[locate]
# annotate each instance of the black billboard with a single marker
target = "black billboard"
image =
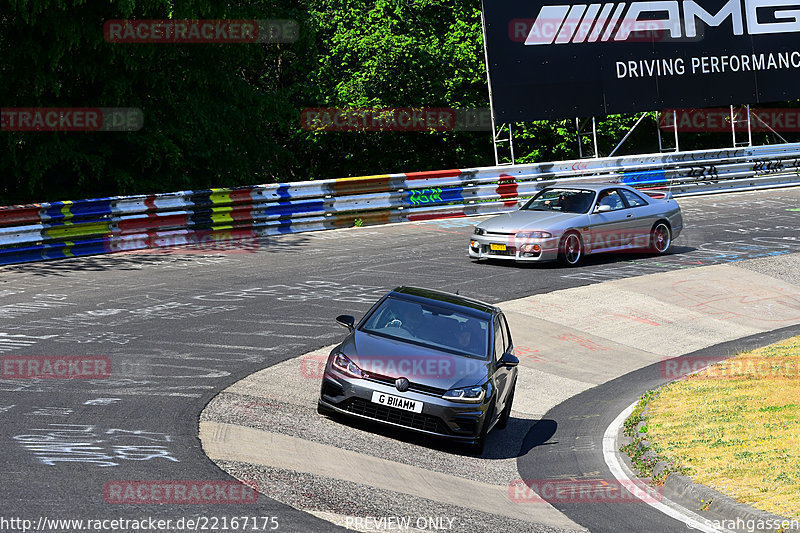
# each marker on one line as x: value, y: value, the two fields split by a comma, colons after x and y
x: 556, y: 59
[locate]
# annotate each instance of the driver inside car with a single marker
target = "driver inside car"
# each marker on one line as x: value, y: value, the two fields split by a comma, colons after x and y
x: 409, y: 317
x: 468, y: 337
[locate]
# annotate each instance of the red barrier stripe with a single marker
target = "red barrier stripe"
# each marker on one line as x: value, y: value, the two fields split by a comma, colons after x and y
x: 507, y: 188
x: 434, y: 216
x: 452, y: 173
x: 20, y: 214
x: 153, y: 221
x: 240, y: 196
x: 362, y: 185
x: 242, y: 213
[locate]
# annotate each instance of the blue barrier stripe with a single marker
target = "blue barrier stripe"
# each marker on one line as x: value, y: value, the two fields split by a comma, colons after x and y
x: 26, y: 254
x: 68, y: 222
x: 283, y: 191
x: 645, y: 177
x: 436, y: 195
x: 80, y: 208
x: 283, y: 208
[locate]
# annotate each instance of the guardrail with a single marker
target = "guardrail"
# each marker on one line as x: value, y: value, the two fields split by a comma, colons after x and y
x: 104, y: 225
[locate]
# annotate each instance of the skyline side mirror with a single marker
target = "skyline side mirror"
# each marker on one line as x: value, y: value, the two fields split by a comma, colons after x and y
x: 521, y: 203
x: 602, y: 209
x: 346, y: 321
x: 509, y: 360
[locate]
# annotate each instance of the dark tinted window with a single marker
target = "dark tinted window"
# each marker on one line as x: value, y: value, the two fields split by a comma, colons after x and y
x: 506, y: 335
x: 430, y: 325
x: 634, y: 200
x: 565, y: 200
x: 611, y: 197
x: 499, y: 340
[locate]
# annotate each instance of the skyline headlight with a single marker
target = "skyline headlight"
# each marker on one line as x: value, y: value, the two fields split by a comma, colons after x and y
x: 465, y: 394
x: 534, y: 235
x: 344, y: 365
x: 479, y: 231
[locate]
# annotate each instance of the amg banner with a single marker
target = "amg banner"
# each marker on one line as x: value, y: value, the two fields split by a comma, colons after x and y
x: 555, y: 59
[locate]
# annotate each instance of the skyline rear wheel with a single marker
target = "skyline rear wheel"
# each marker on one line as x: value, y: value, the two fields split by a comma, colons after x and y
x: 660, y: 238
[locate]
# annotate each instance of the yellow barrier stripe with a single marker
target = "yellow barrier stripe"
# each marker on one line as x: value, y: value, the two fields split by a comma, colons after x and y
x: 220, y: 196
x: 65, y: 210
x: 77, y: 230
x: 361, y: 178
x: 221, y: 217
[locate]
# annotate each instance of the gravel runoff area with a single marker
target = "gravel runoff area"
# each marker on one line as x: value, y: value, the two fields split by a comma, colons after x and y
x: 335, y: 499
x: 783, y: 267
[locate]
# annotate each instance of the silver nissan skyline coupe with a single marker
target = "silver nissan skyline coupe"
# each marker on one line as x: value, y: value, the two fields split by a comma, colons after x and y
x: 570, y: 221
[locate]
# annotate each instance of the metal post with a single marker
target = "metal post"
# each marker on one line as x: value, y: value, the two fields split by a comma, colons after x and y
x: 660, y: 144
x: 581, y: 133
x: 675, y: 128
x: 769, y: 128
x: 511, y: 142
x: 733, y: 127
x: 628, y: 134
x: 749, y: 130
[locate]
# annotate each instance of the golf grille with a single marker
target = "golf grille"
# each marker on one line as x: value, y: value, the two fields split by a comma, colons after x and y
x: 396, y: 416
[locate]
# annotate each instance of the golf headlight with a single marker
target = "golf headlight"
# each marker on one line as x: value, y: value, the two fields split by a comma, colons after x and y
x: 346, y: 366
x: 534, y: 235
x: 479, y: 231
x: 466, y: 394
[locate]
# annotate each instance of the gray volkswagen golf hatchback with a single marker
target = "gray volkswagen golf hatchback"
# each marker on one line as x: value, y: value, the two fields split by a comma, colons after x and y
x: 427, y: 361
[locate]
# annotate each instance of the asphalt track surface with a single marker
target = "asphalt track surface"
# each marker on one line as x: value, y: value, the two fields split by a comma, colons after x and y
x: 180, y: 325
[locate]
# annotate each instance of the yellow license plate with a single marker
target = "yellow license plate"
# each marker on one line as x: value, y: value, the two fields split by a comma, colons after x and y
x: 498, y: 247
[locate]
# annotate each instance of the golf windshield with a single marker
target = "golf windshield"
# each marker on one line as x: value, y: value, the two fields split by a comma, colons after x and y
x: 564, y: 200
x: 430, y: 325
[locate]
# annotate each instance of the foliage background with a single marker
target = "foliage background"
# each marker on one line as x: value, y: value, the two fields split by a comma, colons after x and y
x: 224, y: 115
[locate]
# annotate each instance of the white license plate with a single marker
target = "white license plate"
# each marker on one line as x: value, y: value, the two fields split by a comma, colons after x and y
x: 397, y: 402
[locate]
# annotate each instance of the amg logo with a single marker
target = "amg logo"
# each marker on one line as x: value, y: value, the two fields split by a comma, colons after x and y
x: 561, y: 24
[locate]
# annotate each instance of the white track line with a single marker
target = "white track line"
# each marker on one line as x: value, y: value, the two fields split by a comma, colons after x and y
x: 620, y: 472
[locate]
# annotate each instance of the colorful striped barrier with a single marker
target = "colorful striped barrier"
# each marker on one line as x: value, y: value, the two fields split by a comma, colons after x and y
x: 104, y: 225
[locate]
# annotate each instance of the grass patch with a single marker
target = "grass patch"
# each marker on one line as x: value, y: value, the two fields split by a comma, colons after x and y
x: 736, y: 426
x: 644, y: 458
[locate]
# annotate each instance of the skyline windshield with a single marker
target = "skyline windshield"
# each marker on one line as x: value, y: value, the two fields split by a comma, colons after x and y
x: 563, y: 200
x: 430, y: 325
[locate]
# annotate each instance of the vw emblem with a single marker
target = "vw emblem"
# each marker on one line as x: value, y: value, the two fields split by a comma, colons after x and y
x: 401, y: 384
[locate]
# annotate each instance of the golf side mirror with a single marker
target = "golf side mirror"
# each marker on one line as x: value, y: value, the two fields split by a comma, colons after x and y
x: 346, y: 321
x: 509, y: 360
